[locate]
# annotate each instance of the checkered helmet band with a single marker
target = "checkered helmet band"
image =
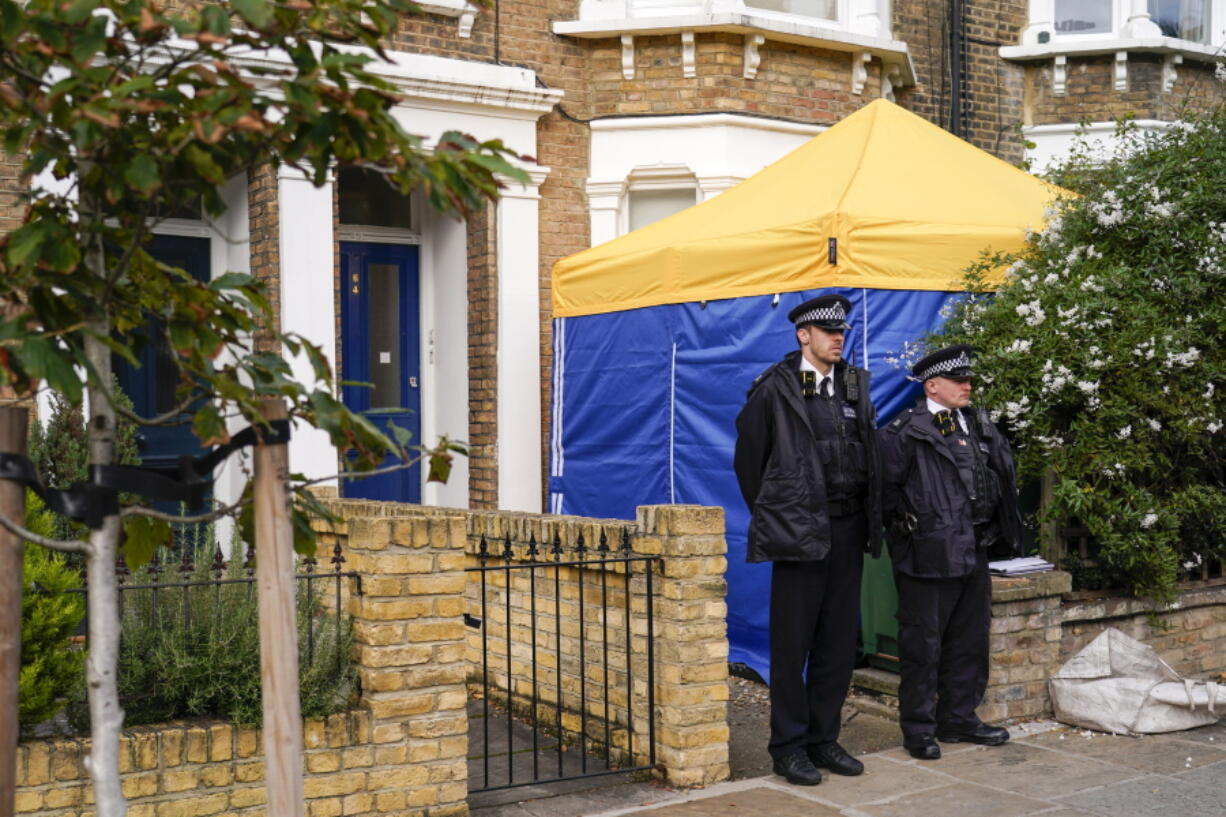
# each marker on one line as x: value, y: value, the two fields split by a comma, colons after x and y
x: 825, y: 313
x: 962, y: 361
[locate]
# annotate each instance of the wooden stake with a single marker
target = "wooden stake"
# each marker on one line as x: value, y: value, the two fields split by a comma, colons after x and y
x: 274, y: 572
x: 13, y: 505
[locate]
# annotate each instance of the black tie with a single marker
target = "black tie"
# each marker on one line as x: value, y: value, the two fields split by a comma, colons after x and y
x: 825, y: 390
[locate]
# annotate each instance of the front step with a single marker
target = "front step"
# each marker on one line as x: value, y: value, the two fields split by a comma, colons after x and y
x: 876, y: 680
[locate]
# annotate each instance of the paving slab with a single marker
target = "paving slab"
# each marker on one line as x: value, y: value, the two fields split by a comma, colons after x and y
x: 1212, y: 775
x: 961, y: 799
x: 755, y: 800
x: 1153, y: 754
x: 883, y: 780
x: 1213, y: 736
x: 1031, y: 770
x: 1152, y: 795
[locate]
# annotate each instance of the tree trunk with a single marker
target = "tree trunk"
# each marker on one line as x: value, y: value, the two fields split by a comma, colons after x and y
x: 102, y: 598
x: 274, y: 552
x: 13, y: 421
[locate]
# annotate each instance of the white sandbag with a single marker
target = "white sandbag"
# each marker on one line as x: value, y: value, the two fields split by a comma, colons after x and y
x: 1118, y: 684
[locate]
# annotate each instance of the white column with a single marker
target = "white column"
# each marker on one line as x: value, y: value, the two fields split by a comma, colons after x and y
x: 308, y: 306
x: 519, y: 353
x: 1042, y: 19
x: 1139, y: 22
x: 604, y: 209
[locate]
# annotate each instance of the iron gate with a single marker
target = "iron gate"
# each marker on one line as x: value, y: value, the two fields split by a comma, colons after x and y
x: 566, y: 670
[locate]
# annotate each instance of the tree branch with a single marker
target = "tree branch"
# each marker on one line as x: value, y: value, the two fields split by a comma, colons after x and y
x: 211, y: 516
x: 62, y: 545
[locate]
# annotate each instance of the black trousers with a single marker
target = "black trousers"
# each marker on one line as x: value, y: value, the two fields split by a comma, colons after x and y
x: 815, y: 611
x: 943, y: 649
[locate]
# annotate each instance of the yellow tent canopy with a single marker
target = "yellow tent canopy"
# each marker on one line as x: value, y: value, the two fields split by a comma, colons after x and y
x: 882, y: 200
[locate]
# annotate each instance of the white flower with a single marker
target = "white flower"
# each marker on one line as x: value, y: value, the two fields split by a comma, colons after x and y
x: 1184, y: 359
x: 1148, y: 520
x: 1213, y: 427
x: 1051, y: 278
x: 1020, y: 346
x: 1124, y: 433
x: 1087, y: 386
x: 1209, y: 390
x: 1154, y: 424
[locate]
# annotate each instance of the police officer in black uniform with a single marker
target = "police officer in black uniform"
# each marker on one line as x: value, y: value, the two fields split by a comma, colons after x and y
x: 950, y: 498
x: 806, y: 460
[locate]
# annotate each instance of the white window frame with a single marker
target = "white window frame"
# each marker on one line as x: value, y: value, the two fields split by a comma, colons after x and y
x: 1132, y: 30
x: 660, y: 177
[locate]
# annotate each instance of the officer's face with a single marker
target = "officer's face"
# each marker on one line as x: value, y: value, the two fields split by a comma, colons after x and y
x: 824, y: 346
x: 949, y: 392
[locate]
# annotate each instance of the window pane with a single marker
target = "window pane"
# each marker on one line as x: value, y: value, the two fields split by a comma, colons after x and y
x: 1185, y: 19
x: 367, y: 199
x: 647, y: 206
x: 821, y: 9
x: 1083, y: 16
x: 383, y: 296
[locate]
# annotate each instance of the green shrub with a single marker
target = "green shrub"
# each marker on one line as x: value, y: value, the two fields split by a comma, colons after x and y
x: 1104, y: 356
x: 59, y: 450
x: 194, y: 652
x: 51, y: 667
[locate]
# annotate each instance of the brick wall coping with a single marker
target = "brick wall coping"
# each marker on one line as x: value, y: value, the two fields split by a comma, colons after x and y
x: 1038, y: 585
x: 1058, y: 582
x: 1121, y: 606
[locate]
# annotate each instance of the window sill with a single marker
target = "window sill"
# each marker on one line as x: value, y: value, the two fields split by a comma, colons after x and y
x: 814, y: 34
x: 1084, y: 47
x: 1174, y: 53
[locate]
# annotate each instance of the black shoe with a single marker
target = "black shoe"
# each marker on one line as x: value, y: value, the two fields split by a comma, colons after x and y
x: 982, y: 734
x: 798, y: 769
x: 835, y: 758
x: 923, y: 748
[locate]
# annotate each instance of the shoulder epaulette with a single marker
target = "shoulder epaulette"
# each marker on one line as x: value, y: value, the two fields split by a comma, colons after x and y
x: 901, y: 420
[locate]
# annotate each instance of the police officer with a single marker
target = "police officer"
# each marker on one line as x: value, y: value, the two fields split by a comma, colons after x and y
x: 950, y: 497
x: 807, y: 466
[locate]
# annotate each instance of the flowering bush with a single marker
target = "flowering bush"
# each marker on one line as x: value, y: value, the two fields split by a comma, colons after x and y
x: 1103, y: 354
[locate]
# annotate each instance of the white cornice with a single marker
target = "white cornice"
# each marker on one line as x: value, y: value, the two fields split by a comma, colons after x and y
x: 704, y: 120
x: 803, y: 32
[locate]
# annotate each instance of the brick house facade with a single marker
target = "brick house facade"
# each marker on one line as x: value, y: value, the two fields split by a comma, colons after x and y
x: 633, y: 107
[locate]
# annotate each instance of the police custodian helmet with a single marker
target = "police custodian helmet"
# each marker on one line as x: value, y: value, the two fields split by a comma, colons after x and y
x: 953, y: 362
x: 825, y: 312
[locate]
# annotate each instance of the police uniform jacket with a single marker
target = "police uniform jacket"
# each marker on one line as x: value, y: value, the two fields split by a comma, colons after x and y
x: 927, y: 507
x: 778, y: 463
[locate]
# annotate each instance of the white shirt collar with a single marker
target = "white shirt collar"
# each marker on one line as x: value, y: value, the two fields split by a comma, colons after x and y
x: 934, y: 407
x: 806, y: 366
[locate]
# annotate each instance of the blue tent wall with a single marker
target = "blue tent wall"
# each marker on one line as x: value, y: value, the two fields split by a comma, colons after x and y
x: 645, y: 403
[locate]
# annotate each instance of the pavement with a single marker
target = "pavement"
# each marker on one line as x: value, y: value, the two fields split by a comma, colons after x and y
x: 1045, y: 769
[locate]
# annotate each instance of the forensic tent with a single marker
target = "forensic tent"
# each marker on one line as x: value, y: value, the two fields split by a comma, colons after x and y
x: 658, y: 334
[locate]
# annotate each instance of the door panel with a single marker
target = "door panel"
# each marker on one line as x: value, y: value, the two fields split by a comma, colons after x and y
x: 380, y: 348
x: 151, y: 386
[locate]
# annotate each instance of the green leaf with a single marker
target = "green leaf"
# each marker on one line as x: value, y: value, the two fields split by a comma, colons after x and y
x: 209, y: 426
x: 402, y: 435
x: 440, y: 466
x: 256, y: 12
x: 142, y: 173
x: 143, y: 536
x: 231, y: 280
x: 304, y: 535
x: 78, y: 10
x: 41, y: 358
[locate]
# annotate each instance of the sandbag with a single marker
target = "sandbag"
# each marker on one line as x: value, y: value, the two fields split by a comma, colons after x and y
x: 1118, y: 684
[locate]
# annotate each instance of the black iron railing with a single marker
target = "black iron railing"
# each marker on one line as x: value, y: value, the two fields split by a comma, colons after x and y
x: 570, y: 648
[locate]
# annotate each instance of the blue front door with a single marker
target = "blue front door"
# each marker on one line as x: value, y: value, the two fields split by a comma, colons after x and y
x: 151, y: 386
x: 380, y: 351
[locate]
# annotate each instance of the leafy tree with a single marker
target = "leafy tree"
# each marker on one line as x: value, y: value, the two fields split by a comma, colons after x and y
x: 144, y: 110
x: 1104, y: 354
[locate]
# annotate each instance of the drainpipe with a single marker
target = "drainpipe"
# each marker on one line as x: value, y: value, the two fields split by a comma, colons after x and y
x: 957, y: 65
